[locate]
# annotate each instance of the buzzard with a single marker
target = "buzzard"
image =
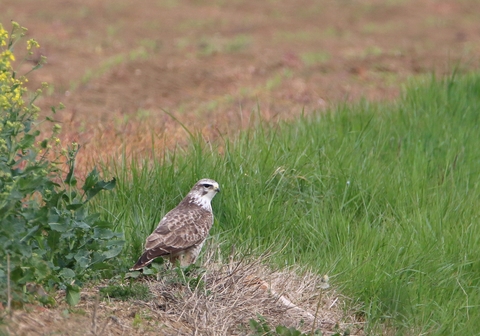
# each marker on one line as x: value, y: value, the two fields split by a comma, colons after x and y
x: 181, y: 233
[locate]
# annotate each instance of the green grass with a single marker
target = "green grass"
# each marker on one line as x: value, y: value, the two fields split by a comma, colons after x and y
x: 382, y: 197
x: 136, y: 291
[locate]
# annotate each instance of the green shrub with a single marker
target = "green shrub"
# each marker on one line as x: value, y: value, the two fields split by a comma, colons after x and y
x: 46, y: 231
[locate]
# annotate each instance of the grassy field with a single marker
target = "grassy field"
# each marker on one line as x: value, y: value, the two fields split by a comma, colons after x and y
x: 382, y: 197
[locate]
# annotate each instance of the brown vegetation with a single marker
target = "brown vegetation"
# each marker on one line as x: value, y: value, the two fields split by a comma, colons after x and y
x: 227, y: 295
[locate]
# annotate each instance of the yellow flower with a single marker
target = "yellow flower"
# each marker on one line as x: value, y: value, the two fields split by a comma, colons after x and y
x: 8, y: 54
x: 3, y: 36
x: 32, y: 44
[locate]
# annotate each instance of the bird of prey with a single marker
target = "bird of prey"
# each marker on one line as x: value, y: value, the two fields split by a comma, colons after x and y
x: 181, y: 234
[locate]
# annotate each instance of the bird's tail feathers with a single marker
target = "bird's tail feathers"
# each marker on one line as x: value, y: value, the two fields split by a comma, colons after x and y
x: 142, y: 262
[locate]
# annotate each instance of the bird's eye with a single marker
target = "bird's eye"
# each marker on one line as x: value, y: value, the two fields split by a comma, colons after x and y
x: 206, y: 185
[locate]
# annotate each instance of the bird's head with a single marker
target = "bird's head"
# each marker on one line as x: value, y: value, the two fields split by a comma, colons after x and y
x: 206, y: 189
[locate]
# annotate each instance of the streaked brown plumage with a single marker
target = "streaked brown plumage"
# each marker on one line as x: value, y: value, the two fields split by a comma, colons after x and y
x: 181, y: 234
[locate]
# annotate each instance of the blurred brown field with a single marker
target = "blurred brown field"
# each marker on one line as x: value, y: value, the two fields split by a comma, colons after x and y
x: 126, y: 70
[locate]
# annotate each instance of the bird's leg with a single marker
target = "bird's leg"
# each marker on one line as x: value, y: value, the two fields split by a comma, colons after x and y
x: 174, y: 260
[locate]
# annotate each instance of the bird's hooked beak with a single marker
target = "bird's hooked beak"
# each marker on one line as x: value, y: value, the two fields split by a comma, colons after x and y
x: 216, y: 187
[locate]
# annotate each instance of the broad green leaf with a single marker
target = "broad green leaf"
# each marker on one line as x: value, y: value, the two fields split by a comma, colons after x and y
x: 70, y: 179
x: 67, y: 235
x: 93, y: 218
x: 132, y: 275
x: 102, y: 224
x: 97, y: 257
x: 101, y: 233
x: 83, y: 259
x: 23, y: 276
x: 67, y: 273
x: 30, y: 233
x: 69, y: 256
x: 149, y: 271
x: 73, y: 294
x: 41, y: 268
x: 25, y: 250
x: 81, y: 225
x: 59, y: 227
x: 83, y: 262
x: 113, y: 252
x: 91, y: 180
x: 81, y: 215
x: 92, y: 190
x: 28, y: 140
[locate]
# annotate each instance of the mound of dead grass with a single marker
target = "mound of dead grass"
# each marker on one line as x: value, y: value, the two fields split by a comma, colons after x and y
x: 219, y: 299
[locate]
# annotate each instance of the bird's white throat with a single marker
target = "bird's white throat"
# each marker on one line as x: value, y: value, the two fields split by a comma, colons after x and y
x: 202, y: 201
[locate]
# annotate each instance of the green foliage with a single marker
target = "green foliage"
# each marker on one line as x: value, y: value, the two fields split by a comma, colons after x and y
x: 45, y: 226
x: 260, y: 327
x: 136, y: 291
x: 190, y: 276
x: 381, y: 196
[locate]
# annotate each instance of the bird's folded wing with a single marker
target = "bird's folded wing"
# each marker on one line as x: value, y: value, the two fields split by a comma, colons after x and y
x: 179, y: 231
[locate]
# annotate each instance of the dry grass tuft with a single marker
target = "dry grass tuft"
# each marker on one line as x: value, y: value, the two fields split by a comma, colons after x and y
x: 218, y: 300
